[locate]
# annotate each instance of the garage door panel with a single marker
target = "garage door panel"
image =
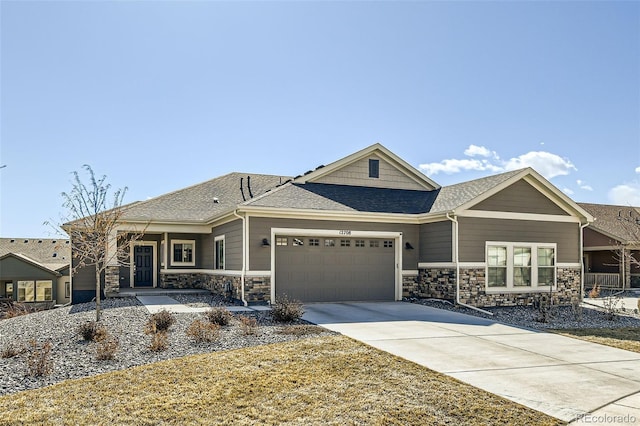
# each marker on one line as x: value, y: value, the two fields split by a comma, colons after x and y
x: 342, y: 272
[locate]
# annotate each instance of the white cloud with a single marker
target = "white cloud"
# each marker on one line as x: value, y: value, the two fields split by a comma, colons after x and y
x: 626, y: 195
x: 567, y: 191
x: 547, y: 164
x: 583, y: 185
x: 638, y: 169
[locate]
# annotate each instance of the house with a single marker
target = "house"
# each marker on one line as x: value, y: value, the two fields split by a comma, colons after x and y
x: 612, y: 246
x: 367, y: 227
x: 35, y: 270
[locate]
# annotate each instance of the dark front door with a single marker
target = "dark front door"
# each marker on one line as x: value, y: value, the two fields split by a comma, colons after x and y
x: 143, y: 276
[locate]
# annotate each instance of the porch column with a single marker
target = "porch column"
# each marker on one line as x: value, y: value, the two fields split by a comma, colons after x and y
x: 112, y: 268
x: 627, y: 269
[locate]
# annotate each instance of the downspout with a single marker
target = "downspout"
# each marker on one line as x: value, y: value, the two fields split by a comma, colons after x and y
x: 244, y: 256
x: 457, y: 260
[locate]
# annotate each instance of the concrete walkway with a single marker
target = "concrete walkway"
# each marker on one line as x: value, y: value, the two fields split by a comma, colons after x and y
x: 156, y: 304
x: 560, y: 376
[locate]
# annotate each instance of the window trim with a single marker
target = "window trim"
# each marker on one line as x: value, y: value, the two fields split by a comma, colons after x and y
x: 374, y: 168
x: 510, y: 287
x: 193, y: 254
x: 216, y: 260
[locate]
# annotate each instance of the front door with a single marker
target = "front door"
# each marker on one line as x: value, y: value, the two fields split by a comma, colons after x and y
x: 143, y: 262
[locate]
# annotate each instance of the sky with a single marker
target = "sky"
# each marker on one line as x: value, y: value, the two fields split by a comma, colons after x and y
x: 161, y: 95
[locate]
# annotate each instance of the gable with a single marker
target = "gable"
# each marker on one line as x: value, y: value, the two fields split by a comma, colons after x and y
x: 357, y: 174
x: 593, y: 238
x: 520, y: 197
x: 15, y: 268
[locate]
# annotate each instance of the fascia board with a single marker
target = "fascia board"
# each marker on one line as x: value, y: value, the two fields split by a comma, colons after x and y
x: 328, y: 215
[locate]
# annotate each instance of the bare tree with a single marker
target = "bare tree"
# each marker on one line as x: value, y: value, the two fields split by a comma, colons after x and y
x: 93, y: 222
x: 627, y: 251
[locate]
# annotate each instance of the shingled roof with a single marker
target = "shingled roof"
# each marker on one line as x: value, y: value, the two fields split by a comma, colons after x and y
x: 199, y: 203
x: 619, y: 222
x: 51, y: 253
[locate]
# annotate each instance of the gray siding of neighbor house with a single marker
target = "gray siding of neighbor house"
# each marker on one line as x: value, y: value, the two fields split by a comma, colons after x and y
x: 593, y: 238
x: 259, y: 228
x: 436, y: 242
x: 16, y: 269
x: 232, y: 232
x: 474, y: 232
x: 520, y: 197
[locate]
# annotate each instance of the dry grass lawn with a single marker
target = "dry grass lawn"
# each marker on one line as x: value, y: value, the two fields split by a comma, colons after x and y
x: 319, y: 380
x: 621, y: 338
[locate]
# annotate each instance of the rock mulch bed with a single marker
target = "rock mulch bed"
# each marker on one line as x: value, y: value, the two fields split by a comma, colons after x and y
x: 559, y: 317
x: 124, y: 318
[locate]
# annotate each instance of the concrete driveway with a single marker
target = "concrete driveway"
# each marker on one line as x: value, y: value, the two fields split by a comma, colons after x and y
x: 560, y: 376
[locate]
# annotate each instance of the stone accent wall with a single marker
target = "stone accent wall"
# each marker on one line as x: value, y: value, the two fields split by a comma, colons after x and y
x: 256, y: 289
x: 112, y: 280
x: 441, y: 284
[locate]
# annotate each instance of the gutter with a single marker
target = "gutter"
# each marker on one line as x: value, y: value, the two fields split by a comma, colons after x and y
x: 457, y: 260
x: 244, y: 256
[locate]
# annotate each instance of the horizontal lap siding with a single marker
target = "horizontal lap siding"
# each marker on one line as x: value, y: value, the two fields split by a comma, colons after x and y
x: 259, y: 228
x: 474, y: 232
x: 436, y: 242
x: 520, y: 197
x: 232, y: 232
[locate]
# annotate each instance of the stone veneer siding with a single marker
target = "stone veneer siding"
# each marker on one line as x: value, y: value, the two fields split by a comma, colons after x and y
x: 112, y: 279
x: 441, y: 284
x: 256, y: 289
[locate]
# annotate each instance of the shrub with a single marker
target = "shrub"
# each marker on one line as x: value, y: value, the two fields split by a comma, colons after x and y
x: 159, y: 322
x: 594, y: 292
x: 220, y: 316
x: 39, y: 361
x: 159, y: 341
x: 203, y: 331
x: 11, y: 350
x: 15, y: 309
x: 107, y: 348
x: 301, y: 330
x: 286, y: 310
x: 92, y: 331
x: 248, y: 325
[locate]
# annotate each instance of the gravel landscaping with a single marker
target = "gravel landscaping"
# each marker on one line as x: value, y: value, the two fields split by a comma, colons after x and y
x: 124, y: 318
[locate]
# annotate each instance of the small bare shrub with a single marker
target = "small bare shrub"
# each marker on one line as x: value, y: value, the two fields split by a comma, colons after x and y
x: 159, y: 322
x: 11, y: 350
x: 39, y: 362
x: 15, y: 309
x: 248, y: 325
x: 92, y: 331
x: 159, y: 341
x: 286, y: 310
x: 203, y: 331
x: 107, y: 348
x: 610, y: 305
x: 220, y: 316
x: 594, y: 293
x: 576, y: 309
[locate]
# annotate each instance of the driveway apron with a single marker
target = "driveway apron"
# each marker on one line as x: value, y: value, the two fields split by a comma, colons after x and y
x: 569, y: 379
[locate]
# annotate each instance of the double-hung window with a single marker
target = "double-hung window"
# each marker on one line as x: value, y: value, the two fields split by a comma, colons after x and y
x: 35, y: 291
x: 520, y: 266
x: 183, y: 252
x: 219, y: 253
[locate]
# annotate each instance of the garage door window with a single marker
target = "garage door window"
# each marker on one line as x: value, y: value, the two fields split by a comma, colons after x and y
x: 314, y: 242
x: 345, y: 243
x: 329, y: 243
x: 282, y: 241
x: 388, y: 243
x: 374, y: 243
x: 359, y: 243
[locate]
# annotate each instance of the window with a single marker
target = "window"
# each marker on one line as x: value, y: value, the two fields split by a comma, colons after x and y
x: 345, y: 243
x: 35, y: 291
x: 520, y: 266
x: 183, y: 252
x: 359, y: 243
x: 219, y: 253
x: 387, y: 243
x: 8, y: 290
x: 374, y: 243
x: 67, y: 289
x: 314, y: 242
x: 329, y: 243
x: 297, y: 242
x: 282, y: 241
x: 374, y: 168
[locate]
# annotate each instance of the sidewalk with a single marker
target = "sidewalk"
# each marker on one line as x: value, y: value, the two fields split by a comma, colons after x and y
x: 156, y: 304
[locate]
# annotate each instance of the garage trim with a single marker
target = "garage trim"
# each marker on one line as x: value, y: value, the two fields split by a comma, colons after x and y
x: 339, y: 233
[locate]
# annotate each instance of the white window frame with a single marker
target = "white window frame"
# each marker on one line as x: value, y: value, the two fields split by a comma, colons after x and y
x: 193, y: 254
x: 534, y: 287
x: 215, y: 253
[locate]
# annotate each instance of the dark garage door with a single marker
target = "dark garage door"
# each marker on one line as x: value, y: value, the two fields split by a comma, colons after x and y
x: 315, y: 269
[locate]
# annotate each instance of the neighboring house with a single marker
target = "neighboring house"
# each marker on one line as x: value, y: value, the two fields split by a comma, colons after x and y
x: 612, y: 246
x: 35, y: 270
x: 366, y: 227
